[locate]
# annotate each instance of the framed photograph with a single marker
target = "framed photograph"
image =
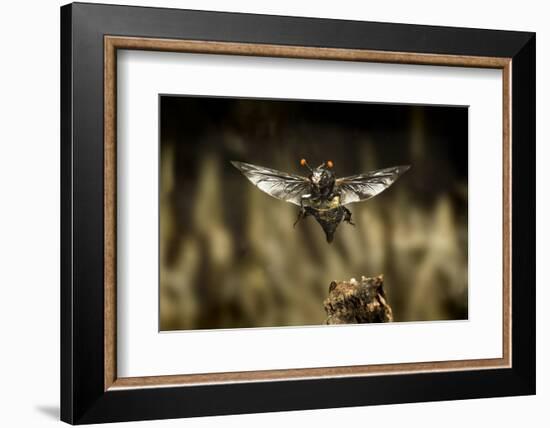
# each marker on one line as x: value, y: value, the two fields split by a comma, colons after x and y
x: 265, y: 213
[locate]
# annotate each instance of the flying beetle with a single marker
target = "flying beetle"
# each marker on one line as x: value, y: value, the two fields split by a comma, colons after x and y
x: 321, y: 194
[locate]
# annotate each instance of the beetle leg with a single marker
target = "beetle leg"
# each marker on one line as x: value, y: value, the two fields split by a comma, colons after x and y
x: 347, y: 216
x: 302, y: 213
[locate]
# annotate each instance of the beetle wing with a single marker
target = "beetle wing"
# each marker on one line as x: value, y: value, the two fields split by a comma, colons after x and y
x: 280, y: 185
x: 360, y: 187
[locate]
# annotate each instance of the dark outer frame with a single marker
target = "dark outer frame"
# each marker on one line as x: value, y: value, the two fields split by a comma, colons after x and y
x: 83, y: 395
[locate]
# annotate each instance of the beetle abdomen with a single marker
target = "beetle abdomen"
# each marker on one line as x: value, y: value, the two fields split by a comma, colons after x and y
x: 329, y: 219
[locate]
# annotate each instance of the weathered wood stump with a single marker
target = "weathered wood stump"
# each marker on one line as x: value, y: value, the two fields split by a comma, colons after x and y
x: 357, y: 302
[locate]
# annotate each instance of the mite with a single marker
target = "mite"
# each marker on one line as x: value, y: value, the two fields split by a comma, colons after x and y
x: 321, y: 194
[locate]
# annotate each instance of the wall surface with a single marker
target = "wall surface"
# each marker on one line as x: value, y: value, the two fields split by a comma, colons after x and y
x: 29, y: 225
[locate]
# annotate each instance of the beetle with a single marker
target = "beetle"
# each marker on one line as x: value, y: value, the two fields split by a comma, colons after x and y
x: 321, y: 194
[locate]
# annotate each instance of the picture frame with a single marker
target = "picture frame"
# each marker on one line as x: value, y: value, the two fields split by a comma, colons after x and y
x: 91, y: 36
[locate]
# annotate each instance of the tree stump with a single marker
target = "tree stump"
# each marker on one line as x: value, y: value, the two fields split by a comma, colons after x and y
x: 354, y: 302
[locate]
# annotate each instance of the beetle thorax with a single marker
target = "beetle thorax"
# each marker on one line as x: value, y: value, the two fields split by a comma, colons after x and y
x: 322, y: 181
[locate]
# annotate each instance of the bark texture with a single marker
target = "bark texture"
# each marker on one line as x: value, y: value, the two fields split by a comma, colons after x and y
x: 357, y: 302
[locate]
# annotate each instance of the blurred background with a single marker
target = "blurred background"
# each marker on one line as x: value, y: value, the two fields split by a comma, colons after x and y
x: 229, y: 256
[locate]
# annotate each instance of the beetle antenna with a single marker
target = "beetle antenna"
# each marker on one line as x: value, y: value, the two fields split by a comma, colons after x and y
x: 303, y: 162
